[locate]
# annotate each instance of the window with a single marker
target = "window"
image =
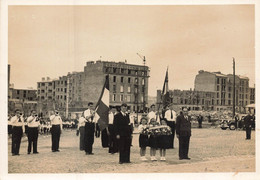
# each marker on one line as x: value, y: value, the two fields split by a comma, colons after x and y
x: 61, y: 89
x: 65, y: 97
x: 43, y: 84
x: 39, y: 85
x: 50, y: 84
x: 65, y: 90
x: 121, y: 97
x: 61, y: 82
x: 229, y: 102
x: 143, y: 81
x: 121, y: 88
x: 114, y: 70
x: 217, y: 80
x: 129, y: 89
x: 122, y: 71
x: 114, y: 79
x: 217, y: 95
x: 217, y: 102
x: 114, y: 97
x: 136, y: 80
x: 18, y: 92
x: 42, y: 91
x: 229, y: 95
x: 122, y: 79
x: 61, y: 97
x: 129, y: 80
x: 128, y: 98
x: 114, y: 88
x: 129, y: 71
x: 217, y: 88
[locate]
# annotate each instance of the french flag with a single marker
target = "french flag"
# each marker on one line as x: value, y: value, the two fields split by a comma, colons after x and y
x: 102, y: 107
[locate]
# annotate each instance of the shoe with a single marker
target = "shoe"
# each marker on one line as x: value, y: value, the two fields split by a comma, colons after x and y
x: 181, y: 158
x: 120, y: 162
x: 53, y: 151
x: 163, y: 159
x: 153, y: 158
x: 28, y: 152
x: 128, y: 162
x: 36, y: 153
x: 57, y: 150
x: 187, y: 158
x: 91, y: 153
x: 143, y: 158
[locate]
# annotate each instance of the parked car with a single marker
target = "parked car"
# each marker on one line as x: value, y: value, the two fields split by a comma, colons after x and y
x: 234, y: 123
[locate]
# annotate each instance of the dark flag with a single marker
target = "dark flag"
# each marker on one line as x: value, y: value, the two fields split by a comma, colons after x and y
x: 102, y: 107
x: 165, y: 92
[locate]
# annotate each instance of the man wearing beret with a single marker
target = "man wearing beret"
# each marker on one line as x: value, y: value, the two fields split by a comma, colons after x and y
x: 123, y: 132
x: 183, y: 131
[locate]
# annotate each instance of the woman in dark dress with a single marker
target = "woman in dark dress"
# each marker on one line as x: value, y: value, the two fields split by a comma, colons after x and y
x: 143, y: 138
x: 164, y: 140
x: 153, y: 141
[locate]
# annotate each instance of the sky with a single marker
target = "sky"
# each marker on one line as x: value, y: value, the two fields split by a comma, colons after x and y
x: 54, y: 40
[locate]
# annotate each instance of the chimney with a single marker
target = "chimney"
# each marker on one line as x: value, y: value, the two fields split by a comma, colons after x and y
x: 43, y: 79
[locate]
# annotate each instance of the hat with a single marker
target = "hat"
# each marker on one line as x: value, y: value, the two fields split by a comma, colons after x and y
x: 124, y: 104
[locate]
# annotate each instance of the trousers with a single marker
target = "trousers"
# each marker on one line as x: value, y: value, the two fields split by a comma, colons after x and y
x: 172, y: 126
x: 17, y: 133
x: 55, y: 137
x: 89, y: 136
x: 124, y: 148
x: 32, y: 139
x: 184, y: 142
x: 82, y: 138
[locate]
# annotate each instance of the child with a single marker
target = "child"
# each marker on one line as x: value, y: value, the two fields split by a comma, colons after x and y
x: 143, y: 138
x: 153, y: 141
x: 164, y: 139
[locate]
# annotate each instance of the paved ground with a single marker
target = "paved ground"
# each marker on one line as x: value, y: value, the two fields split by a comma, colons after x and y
x: 211, y: 150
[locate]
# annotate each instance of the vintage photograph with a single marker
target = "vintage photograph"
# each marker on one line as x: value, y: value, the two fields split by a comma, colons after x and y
x: 131, y: 89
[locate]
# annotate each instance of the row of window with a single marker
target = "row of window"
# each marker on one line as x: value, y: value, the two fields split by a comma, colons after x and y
x: 123, y: 80
x: 50, y: 83
x: 124, y: 98
x: 125, y: 71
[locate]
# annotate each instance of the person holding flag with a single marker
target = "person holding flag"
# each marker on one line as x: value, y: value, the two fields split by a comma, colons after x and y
x: 170, y: 116
x: 89, y: 128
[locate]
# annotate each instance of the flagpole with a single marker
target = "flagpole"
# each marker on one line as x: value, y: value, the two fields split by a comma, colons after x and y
x: 162, y: 95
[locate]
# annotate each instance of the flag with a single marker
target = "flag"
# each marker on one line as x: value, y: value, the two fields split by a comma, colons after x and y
x: 165, y: 92
x: 102, y: 107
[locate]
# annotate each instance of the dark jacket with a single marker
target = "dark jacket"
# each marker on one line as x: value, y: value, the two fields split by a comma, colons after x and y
x: 122, y: 125
x: 248, y: 121
x: 183, y: 126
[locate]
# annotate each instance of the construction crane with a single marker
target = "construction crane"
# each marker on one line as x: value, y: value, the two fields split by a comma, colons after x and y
x: 144, y: 61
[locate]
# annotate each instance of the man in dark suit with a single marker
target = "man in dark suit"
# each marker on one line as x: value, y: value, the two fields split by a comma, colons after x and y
x: 123, y: 132
x: 183, y: 131
x: 248, y: 125
x: 200, y: 119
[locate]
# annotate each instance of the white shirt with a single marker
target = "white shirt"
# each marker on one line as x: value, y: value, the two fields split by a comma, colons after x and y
x: 87, y: 113
x: 151, y: 115
x: 81, y: 122
x: 168, y: 115
x: 141, y: 127
x: 32, y: 122
x: 15, y: 119
x: 56, y: 120
x: 110, y: 118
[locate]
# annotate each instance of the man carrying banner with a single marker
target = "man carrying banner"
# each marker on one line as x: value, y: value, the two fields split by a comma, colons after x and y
x: 170, y: 115
x: 89, y: 128
x: 123, y: 132
x: 111, y: 132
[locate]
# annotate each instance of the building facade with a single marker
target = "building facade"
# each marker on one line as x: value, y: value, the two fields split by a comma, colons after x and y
x: 222, y: 85
x: 191, y: 99
x: 127, y: 84
x: 252, y: 95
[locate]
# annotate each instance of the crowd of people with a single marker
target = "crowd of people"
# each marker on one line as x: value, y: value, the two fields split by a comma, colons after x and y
x: 157, y: 131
